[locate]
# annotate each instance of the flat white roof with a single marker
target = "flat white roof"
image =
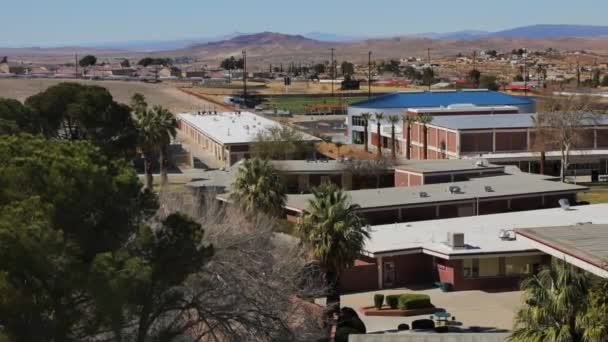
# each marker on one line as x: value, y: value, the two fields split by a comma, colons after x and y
x: 233, y: 127
x: 481, y: 233
x: 479, y: 188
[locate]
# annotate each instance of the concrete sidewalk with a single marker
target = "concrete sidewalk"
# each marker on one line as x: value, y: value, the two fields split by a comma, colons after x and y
x: 471, y: 308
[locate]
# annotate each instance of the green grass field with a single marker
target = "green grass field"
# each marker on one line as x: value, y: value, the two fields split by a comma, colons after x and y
x: 598, y: 193
x: 297, y: 105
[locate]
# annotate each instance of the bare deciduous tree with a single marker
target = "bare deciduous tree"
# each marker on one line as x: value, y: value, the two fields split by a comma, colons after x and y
x: 564, y: 119
x: 376, y: 168
x: 256, y: 286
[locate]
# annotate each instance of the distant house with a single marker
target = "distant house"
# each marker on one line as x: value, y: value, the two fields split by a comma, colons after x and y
x: 39, y: 71
x: 66, y: 72
x: 7, y: 68
x: 169, y: 72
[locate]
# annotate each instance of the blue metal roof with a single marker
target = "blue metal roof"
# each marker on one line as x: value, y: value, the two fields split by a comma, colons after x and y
x: 423, y: 99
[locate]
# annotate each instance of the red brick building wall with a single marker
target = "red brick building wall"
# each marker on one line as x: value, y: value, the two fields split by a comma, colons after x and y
x: 412, y: 269
x: 450, y: 271
x: 363, y: 276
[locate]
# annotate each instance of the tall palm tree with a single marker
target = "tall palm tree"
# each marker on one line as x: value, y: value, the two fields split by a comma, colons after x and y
x: 408, y: 135
x: 379, y: 116
x: 393, y: 119
x: 334, y: 232
x: 425, y: 119
x: 366, y: 117
x: 138, y: 103
x: 595, y: 320
x: 167, y: 129
x: 155, y: 128
x: 258, y: 187
x: 556, y: 300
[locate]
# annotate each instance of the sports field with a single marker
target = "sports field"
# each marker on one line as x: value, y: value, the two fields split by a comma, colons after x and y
x: 301, y: 105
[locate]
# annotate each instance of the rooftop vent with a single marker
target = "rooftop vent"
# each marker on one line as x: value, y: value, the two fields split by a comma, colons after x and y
x: 488, y: 188
x: 423, y: 194
x: 480, y: 163
x: 564, y: 203
x: 454, y: 189
x: 507, y: 235
x: 455, y: 240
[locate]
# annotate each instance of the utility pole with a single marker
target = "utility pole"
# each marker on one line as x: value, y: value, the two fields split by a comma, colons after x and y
x: 526, y: 73
x: 474, y: 65
x: 578, y: 72
x: 369, y: 74
x: 244, y: 74
x: 76, y: 62
x: 333, y: 70
x: 428, y: 52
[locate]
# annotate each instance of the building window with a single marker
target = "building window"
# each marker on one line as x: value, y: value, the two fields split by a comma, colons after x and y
x: 488, y: 267
x: 358, y: 121
x: 478, y: 268
x: 470, y: 268
x: 522, y: 265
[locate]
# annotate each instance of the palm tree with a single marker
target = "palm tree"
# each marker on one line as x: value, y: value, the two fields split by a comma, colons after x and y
x: 595, y: 320
x: 393, y: 119
x: 258, y: 187
x: 138, y: 103
x: 335, y: 233
x: 556, y: 301
x: 425, y: 119
x: 155, y: 128
x: 366, y: 117
x: 408, y: 135
x: 379, y: 116
x: 167, y: 129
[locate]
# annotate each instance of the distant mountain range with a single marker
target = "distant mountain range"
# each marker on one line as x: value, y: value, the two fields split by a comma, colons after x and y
x: 273, y: 47
x: 533, y: 31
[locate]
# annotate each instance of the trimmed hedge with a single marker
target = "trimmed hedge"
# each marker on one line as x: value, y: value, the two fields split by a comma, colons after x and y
x: 378, y: 301
x: 393, y: 301
x: 342, y: 333
x: 409, y: 301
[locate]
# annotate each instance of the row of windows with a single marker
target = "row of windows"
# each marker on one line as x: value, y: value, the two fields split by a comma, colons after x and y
x: 496, y: 267
x: 358, y: 121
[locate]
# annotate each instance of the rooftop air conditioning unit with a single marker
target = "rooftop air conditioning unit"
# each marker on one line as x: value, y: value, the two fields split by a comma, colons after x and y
x: 488, y: 188
x: 480, y: 163
x: 456, y: 240
x: 423, y: 194
x: 454, y: 189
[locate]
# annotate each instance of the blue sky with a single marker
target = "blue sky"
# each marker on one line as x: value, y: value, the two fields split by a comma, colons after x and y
x: 58, y: 22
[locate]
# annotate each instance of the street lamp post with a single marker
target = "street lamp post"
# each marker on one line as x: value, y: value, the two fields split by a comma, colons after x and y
x: 333, y: 70
x: 369, y: 74
x: 244, y: 74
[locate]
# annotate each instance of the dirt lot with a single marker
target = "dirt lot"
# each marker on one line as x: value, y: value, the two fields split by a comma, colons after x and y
x: 164, y: 94
x: 297, y: 87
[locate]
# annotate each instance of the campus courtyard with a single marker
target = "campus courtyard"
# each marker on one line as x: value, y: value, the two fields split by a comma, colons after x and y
x: 487, y: 310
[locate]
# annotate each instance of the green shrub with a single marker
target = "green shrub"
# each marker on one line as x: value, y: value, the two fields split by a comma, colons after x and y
x: 393, y: 301
x: 343, y: 332
x: 378, y: 300
x: 409, y: 301
x: 446, y: 287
